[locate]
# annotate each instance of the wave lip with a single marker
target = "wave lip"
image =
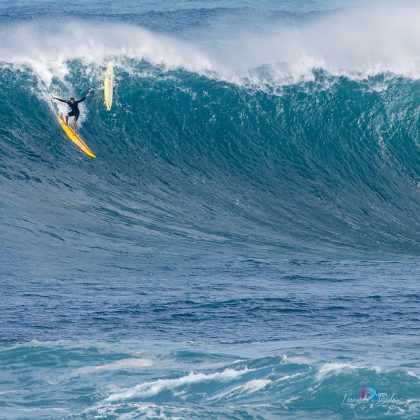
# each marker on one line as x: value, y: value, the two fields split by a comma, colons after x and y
x: 357, y: 43
x: 48, y: 50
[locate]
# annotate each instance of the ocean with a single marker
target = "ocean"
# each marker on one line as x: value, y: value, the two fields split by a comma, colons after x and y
x: 246, y: 245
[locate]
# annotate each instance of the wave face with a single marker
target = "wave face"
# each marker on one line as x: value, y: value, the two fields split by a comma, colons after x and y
x: 246, y: 242
x: 305, y: 137
x: 331, y: 163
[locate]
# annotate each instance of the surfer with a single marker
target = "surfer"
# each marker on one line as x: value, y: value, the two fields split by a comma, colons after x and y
x: 74, y: 105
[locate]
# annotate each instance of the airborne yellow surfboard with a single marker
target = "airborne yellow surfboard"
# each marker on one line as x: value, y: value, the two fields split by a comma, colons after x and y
x: 75, y: 138
x: 109, y: 86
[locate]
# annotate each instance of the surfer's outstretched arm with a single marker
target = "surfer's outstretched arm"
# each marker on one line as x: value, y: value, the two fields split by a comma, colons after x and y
x: 81, y: 100
x: 61, y: 100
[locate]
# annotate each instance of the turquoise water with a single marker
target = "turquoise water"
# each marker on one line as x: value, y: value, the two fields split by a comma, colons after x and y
x: 245, y: 245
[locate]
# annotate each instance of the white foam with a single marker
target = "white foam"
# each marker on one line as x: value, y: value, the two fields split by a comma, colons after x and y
x: 256, y: 384
x: 118, y: 365
x: 359, y: 43
x: 249, y: 387
x: 334, y: 368
x: 135, y: 410
x: 47, y: 48
x: 155, y: 387
x: 297, y: 360
x: 290, y: 400
x: 287, y: 377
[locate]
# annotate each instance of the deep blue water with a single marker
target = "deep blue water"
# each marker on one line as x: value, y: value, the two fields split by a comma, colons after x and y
x: 246, y: 243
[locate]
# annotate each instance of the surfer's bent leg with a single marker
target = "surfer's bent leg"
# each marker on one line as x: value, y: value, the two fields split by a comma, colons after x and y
x: 70, y: 114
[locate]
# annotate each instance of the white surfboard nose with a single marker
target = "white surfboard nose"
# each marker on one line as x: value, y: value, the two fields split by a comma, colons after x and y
x: 109, y: 86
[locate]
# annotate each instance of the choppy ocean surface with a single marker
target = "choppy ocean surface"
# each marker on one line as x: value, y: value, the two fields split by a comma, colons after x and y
x: 246, y: 244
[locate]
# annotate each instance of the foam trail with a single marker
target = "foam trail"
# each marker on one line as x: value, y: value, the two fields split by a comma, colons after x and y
x: 118, y: 365
x: 153, y: 388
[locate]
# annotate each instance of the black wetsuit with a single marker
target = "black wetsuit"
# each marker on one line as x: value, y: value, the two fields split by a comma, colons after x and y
x: 74, y: 107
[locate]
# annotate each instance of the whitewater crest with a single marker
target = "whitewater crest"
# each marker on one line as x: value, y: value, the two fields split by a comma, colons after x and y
x: 357, y: 44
